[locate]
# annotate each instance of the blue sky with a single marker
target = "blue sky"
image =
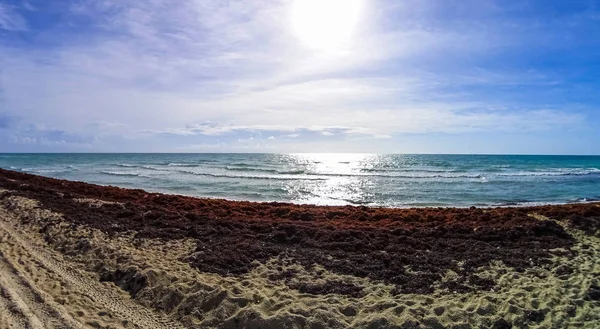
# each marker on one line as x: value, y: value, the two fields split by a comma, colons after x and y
x: 393, y: 76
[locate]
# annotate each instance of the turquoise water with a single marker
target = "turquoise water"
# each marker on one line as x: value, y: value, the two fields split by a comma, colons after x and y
x: 335, y: 179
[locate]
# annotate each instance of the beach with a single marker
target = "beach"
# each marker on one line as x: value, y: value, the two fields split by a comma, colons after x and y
x: 299, y: 164
x: 78, y: 255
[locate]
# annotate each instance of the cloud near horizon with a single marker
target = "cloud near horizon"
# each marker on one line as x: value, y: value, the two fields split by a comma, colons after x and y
x: 231, y: 76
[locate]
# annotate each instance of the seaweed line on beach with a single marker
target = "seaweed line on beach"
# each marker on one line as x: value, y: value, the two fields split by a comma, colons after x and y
x: 410, y: 248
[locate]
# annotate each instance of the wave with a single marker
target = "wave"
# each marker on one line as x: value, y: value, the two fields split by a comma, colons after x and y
x: 254, y: 165
x: 251, y: 176
x: 585, y: 200
x: 513, y: 203
x: 126, y: 165
x: 358, y: 202
x: 474, y: 176
x: 153, y: 168
x: 242, y: 164
x: 552, y: 173
x: 43, y: 170
x: 325, y: 176
x: 271, y: 171
x: 292, y: 172
x: 244, y: 168
x: 400, y: 176
x: 147, y: 167
x: 195, y: 163
x: 376, y: 170
x: 117, y: 173
x: 181, y: 188
x: 175, y: 164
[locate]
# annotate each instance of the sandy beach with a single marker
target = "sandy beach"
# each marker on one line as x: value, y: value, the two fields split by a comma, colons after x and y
x: 77, y: 255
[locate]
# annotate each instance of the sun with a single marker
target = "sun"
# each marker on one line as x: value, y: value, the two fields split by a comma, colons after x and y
x: 325, y: 24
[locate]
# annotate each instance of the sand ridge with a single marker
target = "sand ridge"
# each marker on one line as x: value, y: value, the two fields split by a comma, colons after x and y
x: 50, y: 292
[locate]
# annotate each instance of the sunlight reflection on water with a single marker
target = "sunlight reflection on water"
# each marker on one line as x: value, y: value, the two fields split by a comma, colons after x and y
x: 335, y: 179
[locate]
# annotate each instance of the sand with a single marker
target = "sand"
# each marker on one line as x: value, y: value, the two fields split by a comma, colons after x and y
x: 62, y: 270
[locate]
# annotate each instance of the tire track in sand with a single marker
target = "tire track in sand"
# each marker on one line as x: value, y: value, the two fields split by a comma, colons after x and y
x: 29, y: 305
x: 11, y: 316
x: 24, y: 306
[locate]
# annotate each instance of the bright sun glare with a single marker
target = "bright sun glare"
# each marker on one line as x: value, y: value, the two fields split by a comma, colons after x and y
x: 325, y: 24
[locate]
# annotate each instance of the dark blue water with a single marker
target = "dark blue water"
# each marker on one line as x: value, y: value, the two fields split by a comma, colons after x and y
x: 335, y: 179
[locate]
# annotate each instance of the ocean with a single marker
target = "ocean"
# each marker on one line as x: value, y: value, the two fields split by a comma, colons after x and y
x: 335, y: 179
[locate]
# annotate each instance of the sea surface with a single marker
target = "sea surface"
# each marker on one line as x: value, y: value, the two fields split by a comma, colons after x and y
x: 335, y: 179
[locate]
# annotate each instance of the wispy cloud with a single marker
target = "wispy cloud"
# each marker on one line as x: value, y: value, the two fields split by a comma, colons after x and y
x: 39, y: 134
x: 137, y: 71
x: 10, y: 20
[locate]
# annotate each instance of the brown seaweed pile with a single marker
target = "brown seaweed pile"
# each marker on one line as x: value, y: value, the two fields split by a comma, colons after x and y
x: 410, y: 248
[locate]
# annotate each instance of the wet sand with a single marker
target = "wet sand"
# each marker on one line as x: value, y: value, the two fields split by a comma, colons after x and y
x: 81, y: 255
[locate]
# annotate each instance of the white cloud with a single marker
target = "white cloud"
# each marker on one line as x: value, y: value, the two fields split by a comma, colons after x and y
x: 234, y: 68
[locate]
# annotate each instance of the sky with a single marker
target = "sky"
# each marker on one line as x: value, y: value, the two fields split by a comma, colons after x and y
x: 375, y: 76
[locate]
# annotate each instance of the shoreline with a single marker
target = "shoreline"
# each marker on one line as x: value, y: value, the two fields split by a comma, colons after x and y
x: 231, y: 264
x: 374, y: 181
x: 505, y: 204
x: 58, y: 182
